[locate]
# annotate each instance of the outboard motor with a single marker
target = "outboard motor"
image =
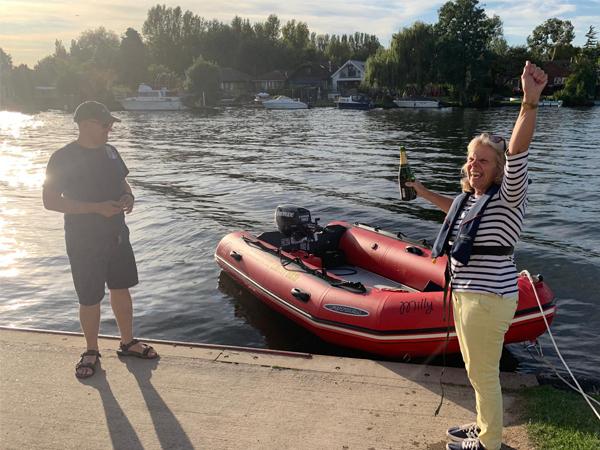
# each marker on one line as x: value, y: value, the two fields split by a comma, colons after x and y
x: 296, y: 227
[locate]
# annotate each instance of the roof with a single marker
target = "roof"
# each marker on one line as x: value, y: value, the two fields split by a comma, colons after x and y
x: 229, y: 75
x: 273, y: 75
x: 360, y: 65
x: 310, y: 72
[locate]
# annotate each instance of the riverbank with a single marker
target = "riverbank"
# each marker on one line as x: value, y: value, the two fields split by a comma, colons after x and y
x: 200, y: 396
x: 560, y: 420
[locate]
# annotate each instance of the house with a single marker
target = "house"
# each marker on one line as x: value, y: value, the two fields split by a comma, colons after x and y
x: 310, y: 81
x: 234, y: 83
x: 270, y: 81
x: 349, y: 76
x: 557, y: 72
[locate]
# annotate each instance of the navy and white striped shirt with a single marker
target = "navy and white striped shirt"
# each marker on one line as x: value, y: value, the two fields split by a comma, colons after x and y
x: 501, y: 224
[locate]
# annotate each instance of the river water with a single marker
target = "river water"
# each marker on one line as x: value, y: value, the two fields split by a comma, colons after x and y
x: 199, y: 177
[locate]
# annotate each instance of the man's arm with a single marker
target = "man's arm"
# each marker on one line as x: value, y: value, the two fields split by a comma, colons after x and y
x: 127, y: 198
x: 533, y: 81
x: 54, y: 201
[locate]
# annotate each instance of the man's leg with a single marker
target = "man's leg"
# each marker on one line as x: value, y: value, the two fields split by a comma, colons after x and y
x: 122, y: 306
x: 89, y: 318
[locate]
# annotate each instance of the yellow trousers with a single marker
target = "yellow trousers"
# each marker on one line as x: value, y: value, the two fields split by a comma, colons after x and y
x: 481, y: 320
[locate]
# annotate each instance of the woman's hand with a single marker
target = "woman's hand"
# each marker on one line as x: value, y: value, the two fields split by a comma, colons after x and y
x: 417, y: 186
x: 533, y: 80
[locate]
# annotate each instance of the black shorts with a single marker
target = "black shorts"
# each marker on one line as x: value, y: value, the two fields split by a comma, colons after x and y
x: 99, y: 260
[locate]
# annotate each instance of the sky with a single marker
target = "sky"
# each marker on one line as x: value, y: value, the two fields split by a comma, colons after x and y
x: 28, y: 28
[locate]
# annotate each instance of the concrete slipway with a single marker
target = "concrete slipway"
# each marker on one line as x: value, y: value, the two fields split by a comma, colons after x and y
x: 211, y: 397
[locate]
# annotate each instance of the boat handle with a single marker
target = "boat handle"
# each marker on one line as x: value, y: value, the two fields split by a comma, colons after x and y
x: 414, y: 250
x: 235, y: 255
x: 300, y: 295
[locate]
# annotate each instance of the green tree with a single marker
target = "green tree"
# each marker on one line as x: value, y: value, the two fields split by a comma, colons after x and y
x: 49, y: 69
x: 98, y: 48
x: 202, y: 82
x: 465, y: 35
x: 591, y: 48
x: 415, y: 49
x: 505, y: 67
x: 162, y: 76
x: 552, y: 40
x: 173, y: 37
x: 23, y: 86
x: 296, y: 40
x: 580, y: 86
x: 132, y: 59
x: 6, y: 93
x: 381, y: 70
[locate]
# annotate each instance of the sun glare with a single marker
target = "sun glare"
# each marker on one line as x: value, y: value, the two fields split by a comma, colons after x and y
x: 19, y: 169
x: 18, y: 166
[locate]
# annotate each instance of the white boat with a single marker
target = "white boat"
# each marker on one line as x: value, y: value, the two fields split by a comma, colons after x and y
x: 416, y: 102
x: 149, y: 99
x: 283, y: 102
x: 261, y: 97
x: 557, y: 103
x: 544, y: 102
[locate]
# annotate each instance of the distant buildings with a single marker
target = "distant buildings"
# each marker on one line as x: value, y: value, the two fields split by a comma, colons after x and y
x: 348, y: 77
x: 310, y: 81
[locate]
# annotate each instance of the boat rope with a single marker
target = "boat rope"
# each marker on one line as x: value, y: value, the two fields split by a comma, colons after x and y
x: 352, y: 286
x: 579, y: 389
x: 446, y: 308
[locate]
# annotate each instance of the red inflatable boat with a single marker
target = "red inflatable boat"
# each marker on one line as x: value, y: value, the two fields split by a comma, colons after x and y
x: 361, y: 287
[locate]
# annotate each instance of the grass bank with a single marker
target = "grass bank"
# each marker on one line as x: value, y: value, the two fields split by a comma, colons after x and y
x: 560, y: 420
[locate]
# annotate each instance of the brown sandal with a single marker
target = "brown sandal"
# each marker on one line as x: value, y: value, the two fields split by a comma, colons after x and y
x: 124, y: 350
x: 87, y: 365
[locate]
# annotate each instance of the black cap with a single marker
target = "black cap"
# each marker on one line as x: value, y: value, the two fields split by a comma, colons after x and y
x: 94, y: 110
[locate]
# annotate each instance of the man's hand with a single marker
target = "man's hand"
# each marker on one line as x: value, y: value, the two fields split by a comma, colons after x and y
x: 108, y: 208
x: 533, y: 81
x: 126, y: 202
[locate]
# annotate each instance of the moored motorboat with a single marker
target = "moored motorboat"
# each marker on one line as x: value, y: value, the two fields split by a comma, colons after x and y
x: 361, y: 287
x: 283, y: 102
x: 149, y: 99
x: 357, y: 101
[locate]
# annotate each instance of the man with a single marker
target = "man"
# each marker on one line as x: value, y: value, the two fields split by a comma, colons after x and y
x: 85, y: 180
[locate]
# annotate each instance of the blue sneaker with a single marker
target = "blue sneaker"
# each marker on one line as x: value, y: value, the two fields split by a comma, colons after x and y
x: 467, y: 444
x: 468, y: 431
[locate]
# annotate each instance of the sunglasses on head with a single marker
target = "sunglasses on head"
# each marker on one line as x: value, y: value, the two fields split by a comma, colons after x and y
x: 496, y: 139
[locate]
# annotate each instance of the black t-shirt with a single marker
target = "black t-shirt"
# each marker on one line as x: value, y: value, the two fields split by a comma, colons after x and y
x: 88, y: 175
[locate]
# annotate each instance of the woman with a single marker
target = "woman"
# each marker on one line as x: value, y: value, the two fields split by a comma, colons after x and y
x: 479, y: 233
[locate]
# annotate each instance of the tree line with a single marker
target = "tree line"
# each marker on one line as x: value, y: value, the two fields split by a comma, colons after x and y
x: 463, y: 55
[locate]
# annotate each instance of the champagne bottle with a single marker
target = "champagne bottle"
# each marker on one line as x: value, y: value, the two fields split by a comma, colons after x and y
x: 404, y: 175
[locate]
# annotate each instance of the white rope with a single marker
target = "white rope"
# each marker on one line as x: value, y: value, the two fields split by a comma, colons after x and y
x: 578, y: 389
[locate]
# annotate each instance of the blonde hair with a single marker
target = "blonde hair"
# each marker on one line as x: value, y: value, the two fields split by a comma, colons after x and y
x: 499, y: 151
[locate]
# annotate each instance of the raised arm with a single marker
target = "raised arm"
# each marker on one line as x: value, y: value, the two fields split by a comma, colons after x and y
x: 533, y: 80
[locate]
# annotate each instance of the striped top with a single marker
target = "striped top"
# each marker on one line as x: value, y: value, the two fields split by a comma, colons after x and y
x: 501, y: 224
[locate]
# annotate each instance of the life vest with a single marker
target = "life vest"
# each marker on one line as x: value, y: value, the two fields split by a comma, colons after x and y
x: 463, y: 248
